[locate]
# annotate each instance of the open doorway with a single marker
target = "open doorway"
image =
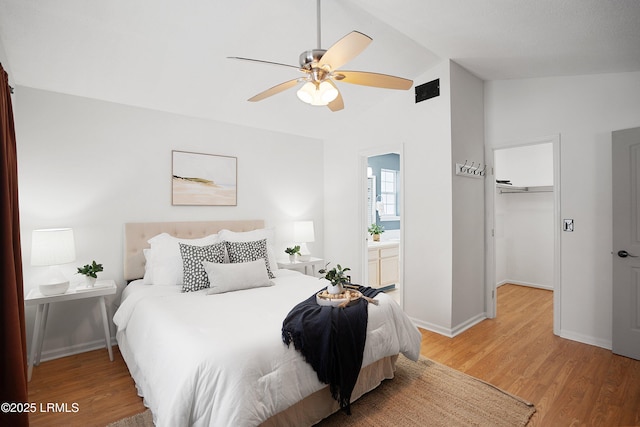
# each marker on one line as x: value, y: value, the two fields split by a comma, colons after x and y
x: 524, y: 205
x: 381, y: 219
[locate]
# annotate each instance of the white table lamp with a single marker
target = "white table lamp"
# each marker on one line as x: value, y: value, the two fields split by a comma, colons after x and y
x: 303, y: 234
x: 52, y: 247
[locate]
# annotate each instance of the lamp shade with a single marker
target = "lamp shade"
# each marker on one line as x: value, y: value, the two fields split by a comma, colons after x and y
x: 322, y: 94
x: 52, y: 246
x: 303, y: 232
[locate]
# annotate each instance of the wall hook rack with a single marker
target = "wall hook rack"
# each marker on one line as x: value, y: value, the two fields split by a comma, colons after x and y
x: 471, y: 170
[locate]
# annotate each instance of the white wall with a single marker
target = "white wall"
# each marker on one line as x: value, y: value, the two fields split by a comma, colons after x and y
x: 467, y: 142
x: 584, y: 110
x: 524, y: 239
x: 5, y: 63
x: 525, y: 166
x: 94, y: 165
x: 424, y: 131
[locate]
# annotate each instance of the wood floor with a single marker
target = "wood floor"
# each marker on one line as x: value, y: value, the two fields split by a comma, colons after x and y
x: 569, y: 383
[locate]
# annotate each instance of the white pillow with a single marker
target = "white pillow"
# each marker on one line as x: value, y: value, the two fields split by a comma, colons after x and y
x: 234, y: 277
x: 166, y: 260
x: 250, y: 236
x: 148, y: 267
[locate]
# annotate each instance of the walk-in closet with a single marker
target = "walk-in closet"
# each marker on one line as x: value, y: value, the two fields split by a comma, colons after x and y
x: 524, y: 215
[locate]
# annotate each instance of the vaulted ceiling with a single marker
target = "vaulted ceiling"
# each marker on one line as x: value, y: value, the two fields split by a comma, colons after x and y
x: 172, y: 55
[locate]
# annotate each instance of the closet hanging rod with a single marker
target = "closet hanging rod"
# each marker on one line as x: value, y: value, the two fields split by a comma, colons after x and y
x: 508, y: 189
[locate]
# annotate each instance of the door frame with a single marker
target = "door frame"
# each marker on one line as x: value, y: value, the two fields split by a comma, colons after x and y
x: 362, y: 209
x: 490, y: 259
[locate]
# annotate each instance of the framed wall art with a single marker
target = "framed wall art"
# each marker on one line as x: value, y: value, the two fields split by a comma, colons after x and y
x: 203, y: 179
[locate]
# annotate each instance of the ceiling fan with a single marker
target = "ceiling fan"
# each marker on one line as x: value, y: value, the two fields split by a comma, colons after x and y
x: 321, y: 69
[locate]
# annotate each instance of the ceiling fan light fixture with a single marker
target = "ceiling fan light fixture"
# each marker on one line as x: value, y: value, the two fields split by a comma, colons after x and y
x: 321, y: 95
x: 322, y: 68
x: 306, y: 92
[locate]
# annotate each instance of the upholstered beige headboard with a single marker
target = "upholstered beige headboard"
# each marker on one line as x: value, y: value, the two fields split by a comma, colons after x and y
x: 137, y: 234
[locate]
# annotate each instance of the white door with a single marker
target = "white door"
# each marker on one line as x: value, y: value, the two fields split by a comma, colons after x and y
x: 626, y: 242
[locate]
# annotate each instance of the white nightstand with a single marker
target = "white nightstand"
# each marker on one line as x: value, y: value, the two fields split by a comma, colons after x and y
x: 298, y: 265
x: 101, y: 288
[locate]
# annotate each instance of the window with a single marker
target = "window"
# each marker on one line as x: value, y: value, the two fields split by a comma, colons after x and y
x: 389, y: 195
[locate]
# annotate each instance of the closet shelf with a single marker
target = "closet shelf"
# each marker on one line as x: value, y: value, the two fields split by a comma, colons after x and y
x: 507, y: 189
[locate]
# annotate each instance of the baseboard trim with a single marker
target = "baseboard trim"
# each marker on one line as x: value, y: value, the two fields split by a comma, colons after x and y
x: 450, y: 332
x: 586, y: 339
x: 469, y: 323
x: 57, y: 353
x: 432, y: 327
x: 528, y: 284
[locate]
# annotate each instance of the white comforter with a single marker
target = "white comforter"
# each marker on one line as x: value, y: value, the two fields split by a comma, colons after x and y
x: 219, y: 360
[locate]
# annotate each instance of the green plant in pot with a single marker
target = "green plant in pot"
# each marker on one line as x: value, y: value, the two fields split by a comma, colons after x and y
x: 337, y: 278
x: 91, y: 272
x: 292, y: 252
x: 375, y: 230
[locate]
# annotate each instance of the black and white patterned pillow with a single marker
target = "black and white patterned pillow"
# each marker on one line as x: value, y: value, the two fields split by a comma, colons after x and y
x: 249, y: 251
x: 195, y: 276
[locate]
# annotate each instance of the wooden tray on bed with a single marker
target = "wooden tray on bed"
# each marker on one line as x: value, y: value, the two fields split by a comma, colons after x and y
x: 338, y: 300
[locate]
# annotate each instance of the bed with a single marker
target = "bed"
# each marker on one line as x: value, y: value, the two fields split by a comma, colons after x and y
x: 206, y: 359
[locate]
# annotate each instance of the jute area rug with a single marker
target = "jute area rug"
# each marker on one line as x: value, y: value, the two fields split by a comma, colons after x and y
x: 423, y: 393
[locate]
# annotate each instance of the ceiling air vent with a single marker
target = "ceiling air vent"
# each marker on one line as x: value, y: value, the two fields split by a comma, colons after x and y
x: 428, y: 90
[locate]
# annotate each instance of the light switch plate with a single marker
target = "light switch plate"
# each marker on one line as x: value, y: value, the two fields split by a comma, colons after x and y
x: 567, y: 224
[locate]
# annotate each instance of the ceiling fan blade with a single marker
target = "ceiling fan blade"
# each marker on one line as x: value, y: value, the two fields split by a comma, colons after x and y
x: 374, y: 79
x: 338, y: 103
x: 274, y: 90
x: 345, y: 49
x: 263, y: 62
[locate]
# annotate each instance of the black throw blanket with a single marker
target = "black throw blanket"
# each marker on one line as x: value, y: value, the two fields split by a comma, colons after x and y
x: 331, y: 340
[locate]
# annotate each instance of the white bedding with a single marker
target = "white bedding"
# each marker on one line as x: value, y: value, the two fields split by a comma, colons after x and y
x: 219, y: 360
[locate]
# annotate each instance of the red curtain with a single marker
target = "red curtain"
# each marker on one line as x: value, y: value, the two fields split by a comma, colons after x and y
x: 12, y: 327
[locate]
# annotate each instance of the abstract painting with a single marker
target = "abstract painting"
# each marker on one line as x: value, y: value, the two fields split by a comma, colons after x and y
x: 204, y: 179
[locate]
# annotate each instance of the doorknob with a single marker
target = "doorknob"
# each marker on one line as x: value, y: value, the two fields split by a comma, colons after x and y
x: 624, y: 254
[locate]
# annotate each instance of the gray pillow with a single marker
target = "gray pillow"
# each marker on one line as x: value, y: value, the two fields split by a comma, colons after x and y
x: 195, y: 276
x: 249, y: 251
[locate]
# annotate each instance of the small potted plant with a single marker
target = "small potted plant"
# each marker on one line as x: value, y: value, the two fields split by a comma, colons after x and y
x: 375, y: 230
x: 292, y: 252
x: 90, y: 271
x: 337, y: 278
